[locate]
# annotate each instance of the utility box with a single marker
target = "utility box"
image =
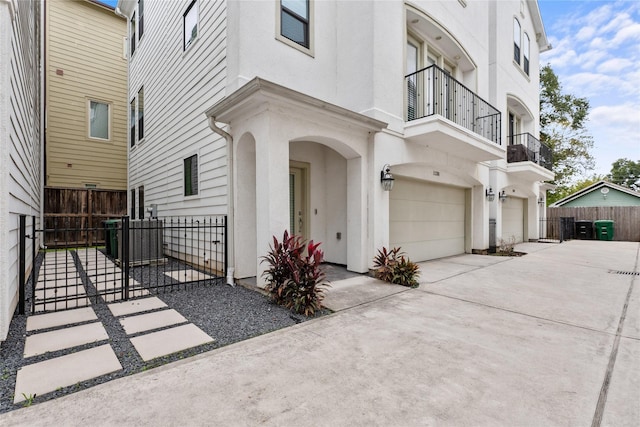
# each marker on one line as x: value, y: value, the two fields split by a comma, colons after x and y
x: 145, y: 242
x: 584, y: 230
x: 604, y: 229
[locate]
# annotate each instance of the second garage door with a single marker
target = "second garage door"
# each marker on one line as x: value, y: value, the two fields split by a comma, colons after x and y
x: 427, y: 220
x: 513, y: 219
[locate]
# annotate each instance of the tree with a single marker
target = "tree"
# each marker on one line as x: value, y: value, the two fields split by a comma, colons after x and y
x: 562, y: 192
x: 563, y: 118
x: 625, y: 172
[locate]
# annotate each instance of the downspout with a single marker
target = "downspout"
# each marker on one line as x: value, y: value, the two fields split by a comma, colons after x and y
x: 230, y: 222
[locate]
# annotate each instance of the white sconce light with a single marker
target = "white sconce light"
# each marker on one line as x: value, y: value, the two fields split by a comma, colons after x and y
x: 503, y: 196
x: 491, y: 196
x: 386, y: 178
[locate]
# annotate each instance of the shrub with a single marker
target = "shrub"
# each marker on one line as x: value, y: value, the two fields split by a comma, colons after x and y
x: 392, y: 266
x: 505, y: 247
x: 294, y: 278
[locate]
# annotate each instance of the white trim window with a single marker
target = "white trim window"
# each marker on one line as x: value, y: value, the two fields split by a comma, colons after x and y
x: 190, y: 174
x: 132, y: 122
x: 132, y: 33
x: 99, y: 119
x: 190, y: 25
x: 516, y: 40
x: 140, y: 19
x: 136, y: 118
x: 294, y: 21
x: 141, y: 114
x: 525, y: 51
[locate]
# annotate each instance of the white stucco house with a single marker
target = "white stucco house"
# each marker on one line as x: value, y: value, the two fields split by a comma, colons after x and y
x: 20, y: 142
x: 284, y: 114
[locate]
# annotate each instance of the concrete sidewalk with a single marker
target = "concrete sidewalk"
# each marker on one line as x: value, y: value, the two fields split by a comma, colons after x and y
x: 539, y: 340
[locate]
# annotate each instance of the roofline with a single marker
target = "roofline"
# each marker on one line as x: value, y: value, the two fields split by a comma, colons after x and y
x: 592, y: 187
x: 260, y: 85
x: 538, y: 25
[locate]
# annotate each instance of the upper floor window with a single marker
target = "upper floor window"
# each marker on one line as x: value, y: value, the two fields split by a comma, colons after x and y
x: 141, y: 202
x: 190, y: 24
x: 294, y: 21
x: 132, y: 122
x: 516, y: 40
x: 132, y: 33
x: 99, y: 120
x: 525, y: 46
x: 140, y: 18
x: 136, y: 118
x: 191, y: 175
x: 141, y: 114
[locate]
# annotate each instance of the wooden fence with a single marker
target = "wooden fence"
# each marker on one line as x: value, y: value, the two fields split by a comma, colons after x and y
x: 77, y: 214
x: 626, y: 218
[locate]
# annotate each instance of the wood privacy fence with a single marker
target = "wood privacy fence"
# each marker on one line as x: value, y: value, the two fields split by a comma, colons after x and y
x: 75, y: 216
x: 626, y: 218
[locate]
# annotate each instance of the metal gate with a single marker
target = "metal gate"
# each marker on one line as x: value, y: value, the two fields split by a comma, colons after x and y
x: 122, y: 259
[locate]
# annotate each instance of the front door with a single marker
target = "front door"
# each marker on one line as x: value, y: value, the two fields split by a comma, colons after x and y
x: 298, y: 173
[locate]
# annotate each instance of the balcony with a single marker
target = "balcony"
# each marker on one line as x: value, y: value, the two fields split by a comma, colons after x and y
x: 524, y: 148
x: 446, y: 115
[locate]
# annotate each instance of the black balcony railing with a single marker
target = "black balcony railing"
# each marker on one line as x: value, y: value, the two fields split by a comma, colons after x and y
x: 433, y: 91
x: 525, y: 147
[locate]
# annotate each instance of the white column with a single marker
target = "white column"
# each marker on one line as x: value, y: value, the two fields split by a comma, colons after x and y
x: 356, y: 216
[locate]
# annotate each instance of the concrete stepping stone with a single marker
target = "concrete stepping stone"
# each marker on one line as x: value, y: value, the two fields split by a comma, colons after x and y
x: 62, y: 305
x: 44, y: 377
x: 169, y: 341
x: 47, y: 293
x: 187, y: 275
x: 148, y: 321
x: 133, y: 293
x: 64, y: 338
x: 136, y: 306
x: 60, y: 318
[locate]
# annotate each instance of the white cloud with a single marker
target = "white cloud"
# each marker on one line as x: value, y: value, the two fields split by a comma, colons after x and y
x: 614, y: 65
x: 585, y: 33
x: 626, y: 115
x: 628, y: 33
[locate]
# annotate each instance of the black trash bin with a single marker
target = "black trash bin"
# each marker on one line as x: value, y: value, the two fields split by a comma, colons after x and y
x: 584, y: 230
x: 111, y: 237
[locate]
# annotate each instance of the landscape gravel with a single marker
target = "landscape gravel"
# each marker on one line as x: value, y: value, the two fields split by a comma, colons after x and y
x: 227, y: 314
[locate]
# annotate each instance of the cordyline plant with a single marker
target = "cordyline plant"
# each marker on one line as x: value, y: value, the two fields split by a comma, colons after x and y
x: 392, y: 266
x: 294, y: 277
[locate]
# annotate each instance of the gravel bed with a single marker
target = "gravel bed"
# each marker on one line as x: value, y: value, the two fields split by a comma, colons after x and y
x: 227, y: 314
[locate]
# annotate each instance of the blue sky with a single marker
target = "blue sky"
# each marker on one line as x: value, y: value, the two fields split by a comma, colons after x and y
x: 596, y: 55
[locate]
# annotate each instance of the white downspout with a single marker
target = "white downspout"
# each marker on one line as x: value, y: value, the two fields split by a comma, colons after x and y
x: 230, y: 222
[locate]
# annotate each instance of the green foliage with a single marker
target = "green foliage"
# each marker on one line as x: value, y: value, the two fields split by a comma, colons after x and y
x: 506, y: 247
x: 626, y: 173
x: 563, y: 119
x: 392, y: 266
x: 294, y: 277
x: 28, y: 399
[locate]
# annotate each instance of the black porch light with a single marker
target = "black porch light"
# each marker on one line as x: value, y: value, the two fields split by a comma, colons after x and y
x: 386, y: 178
x: 491, y: 196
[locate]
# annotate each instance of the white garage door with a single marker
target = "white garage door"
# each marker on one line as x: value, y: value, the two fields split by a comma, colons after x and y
x: 426, y: 220
x: 513, y: 219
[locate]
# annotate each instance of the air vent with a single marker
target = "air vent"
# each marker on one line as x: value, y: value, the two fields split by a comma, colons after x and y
x: 626, y: 273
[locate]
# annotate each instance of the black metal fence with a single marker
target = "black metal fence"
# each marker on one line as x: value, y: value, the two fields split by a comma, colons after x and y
x: 556, y: 229
x: 140, y: 257
x: 433, y: 91
x: 526, y: 147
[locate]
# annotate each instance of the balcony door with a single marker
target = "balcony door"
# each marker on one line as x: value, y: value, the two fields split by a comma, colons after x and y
x: 413, y: 95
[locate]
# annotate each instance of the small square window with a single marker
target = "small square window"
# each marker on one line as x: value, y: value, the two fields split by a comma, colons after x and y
x: 190, y: 24
x: 191, y: 175
x: 98, y: 120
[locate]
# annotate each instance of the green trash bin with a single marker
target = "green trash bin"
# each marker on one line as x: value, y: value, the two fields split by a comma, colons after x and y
x: 604, y: 229
x: 111, y: 237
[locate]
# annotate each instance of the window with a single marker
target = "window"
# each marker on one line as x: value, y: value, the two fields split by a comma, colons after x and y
x: 190, y: 24
x: 98, y: 120
x: 141, y: 202
x: 526, y: 53
x: 141, y: 114
x: 140, y: 18
x: 132, y: 122
x: 294, y: 21
x: 191, y: 175
x: 132, y: 33
x: 516, y: 40
x: 133, y: 203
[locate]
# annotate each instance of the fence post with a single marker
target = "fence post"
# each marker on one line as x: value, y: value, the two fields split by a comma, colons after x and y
x: 226, y: 249
x: 22, y: 263
x: 125, y: 255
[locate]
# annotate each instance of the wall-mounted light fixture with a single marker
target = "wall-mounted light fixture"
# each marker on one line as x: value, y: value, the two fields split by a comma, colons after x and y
x: 503, y: 196
x: 386, y: 178
x: 541, y: 201
x: 491, y: 196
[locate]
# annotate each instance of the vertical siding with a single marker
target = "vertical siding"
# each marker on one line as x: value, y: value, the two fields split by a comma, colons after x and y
x: 85, y: 43
x: 20, y: 184
x: 178, y: 88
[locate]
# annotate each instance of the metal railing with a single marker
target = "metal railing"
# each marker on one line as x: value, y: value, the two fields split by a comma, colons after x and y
x: 526, y: 147
x: 432, y: 91
x: 139, y: 257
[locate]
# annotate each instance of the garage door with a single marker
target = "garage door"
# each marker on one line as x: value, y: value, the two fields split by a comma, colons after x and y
x: 426, y: 220
x: 513, y: 219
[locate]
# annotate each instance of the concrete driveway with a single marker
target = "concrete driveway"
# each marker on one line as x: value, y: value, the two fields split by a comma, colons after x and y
x: 551, y: 338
